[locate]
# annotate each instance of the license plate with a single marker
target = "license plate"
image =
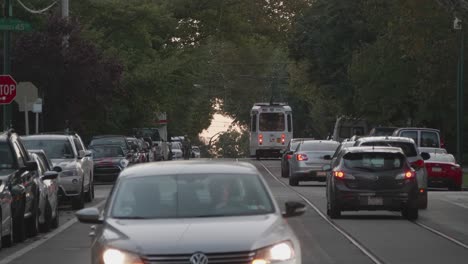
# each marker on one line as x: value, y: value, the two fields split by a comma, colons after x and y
x: 436, y: 169
x: 321, y: 173
x: 374, y: 201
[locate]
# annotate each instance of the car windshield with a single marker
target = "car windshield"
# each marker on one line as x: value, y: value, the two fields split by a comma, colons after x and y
x: 190, y: 195
x: 271, y: 122
x: 54, y: 148
x: 408, y: 148
x: 442, y: 158
x: 109, y: 141
x: 374, y: 161
x: 107, y: 151
x: 6, y: 158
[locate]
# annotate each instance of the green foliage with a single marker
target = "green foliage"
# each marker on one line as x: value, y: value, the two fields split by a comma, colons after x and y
x: 232, y: 144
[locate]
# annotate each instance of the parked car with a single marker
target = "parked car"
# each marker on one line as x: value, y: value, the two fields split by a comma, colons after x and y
x: 190, y: 206
x: 287, y: 155
x: 382, y: 131
x: 308, y: 160
x: 76, y: 176
x: 111, y: 140
x: 423, y: 137
x: 196, y: 152
x: 414, y: 156
x: 139, y: 155
x: 47, y: 181
x: 20, y: 193
x: 109, y: 161
x: 443, y: 171
x: 176, y: 150
x: 372, y: 178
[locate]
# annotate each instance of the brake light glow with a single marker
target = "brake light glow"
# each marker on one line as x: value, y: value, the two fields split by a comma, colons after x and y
x: 339, y: 174
x: 288, y: 157
x: 260, y: 139
x: 302, y: 157
x: 409, y: 175
x: 418, y: 164
x: 283, y: 138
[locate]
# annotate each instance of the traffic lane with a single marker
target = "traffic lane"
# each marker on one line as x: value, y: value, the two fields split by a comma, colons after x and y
x: 66, y: 245
x: 386, y: 234
x: 320, y: 243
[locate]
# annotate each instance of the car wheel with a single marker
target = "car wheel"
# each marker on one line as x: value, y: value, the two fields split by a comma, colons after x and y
x: 55, y: 221
x: 423, y: 201
x: 410, y: 213
x: 283, y: 173
x: 45, y: 227
x: 19, y: 225
x: 7, y: 241
x: 33, y: 221
x: 293, y: 182
x: 89, y: 193
x: 333, y: 210
x: 78, y: 201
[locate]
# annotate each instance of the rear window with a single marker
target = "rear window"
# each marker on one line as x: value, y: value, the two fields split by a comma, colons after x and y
x: 429, y: 139
x: 442, y: 158
x: 271, y: 122
x: 408, y: 148
x: 374, y: 161
x: 318, y: 146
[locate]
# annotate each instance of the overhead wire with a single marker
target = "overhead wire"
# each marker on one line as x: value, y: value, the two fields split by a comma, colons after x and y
x: 30, y: 10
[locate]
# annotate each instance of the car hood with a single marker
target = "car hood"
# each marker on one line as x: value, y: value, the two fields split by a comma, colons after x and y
x: 64, y: 163
x: 189, y: 235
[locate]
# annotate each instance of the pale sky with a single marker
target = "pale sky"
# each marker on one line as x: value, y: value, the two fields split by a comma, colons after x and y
x: 218, y: 124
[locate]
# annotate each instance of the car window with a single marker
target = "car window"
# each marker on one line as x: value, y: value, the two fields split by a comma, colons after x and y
x: 191, y: 196
x: 54, y: 148
x: 373, y: 161
x: 78, y: 145
x: 410, y: 134
x: 110, y: 141
x: 442, y: 158
x: 408, y: 148
x: 6, y: 157
x: 318, y: 146
x: 271, y: 122
x: 40, y: 166
x: 429, y: 139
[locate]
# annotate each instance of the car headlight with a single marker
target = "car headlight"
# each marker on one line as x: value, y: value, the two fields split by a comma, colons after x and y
x: 124, y: 163
x: 280, y: 252
x: 115, y: 256
x: 72, y: 172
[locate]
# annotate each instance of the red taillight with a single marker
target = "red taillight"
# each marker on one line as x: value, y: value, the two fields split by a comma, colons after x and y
x: 301, y: 157
x: 409, y: 175
x: 339, y: 174
x: 418, y: 164
x: 283, y: 138
x: 260, y: 139
x: 288, y: 157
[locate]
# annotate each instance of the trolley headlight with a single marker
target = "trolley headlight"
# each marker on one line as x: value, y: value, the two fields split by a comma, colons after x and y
x: 279, y: 252
x: 115, y: 256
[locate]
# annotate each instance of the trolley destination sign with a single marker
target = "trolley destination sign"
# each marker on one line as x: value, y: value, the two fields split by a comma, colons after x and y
x: 13, y: 24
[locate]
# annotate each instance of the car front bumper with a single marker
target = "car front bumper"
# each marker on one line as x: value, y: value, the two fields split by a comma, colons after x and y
x: 70, y: 186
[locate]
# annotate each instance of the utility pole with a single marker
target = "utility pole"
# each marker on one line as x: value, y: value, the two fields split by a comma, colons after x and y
x: 457, y: 25
x: 7, y: 111
x: 65, y: 8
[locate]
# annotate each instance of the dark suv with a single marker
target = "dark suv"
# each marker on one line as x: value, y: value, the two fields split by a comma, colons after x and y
x: 17, y: 176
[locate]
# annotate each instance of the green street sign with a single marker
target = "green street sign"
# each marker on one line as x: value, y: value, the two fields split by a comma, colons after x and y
x: 11, y: 24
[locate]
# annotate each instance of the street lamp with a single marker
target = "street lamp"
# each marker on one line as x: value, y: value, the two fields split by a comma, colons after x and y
x: 457, y: 25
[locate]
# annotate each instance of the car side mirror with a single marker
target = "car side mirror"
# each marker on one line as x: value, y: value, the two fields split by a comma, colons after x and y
x: 88, y: 153
x: 294, y: 209
x: 50, y: 175
x: 30, y: 165
x: 81, y: 154
x: 89, y: 216
x: 327, y: 157
x: 326, y: 167
x: 57, y: 169
x: 425, y: 155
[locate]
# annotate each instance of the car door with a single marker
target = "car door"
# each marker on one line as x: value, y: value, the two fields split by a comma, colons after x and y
x: 86, y: 161
x: 27, y: 178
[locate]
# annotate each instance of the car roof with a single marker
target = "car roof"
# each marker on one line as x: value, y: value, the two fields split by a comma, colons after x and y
x: 47, y: 137
x: 331, y: 142
x: 188, y: 167
x: 374, y: 149
x: 416, y: 128
x: 108, y: 136
x: 386, y: 138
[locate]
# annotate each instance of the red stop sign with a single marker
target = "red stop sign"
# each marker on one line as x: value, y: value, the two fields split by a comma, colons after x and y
x: 7, y: 89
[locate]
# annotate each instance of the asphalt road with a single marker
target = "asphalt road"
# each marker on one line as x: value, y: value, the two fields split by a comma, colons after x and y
x: 439, y: 236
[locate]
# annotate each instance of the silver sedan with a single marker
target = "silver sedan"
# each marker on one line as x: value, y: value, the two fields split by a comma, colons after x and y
x: 194, y: 212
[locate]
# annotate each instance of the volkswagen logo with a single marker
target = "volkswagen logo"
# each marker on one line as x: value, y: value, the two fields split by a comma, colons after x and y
x: 198, y: 258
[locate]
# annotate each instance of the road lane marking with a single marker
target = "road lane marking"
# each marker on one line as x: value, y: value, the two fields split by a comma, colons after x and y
x: 44, y: 239
x: 361, y: 247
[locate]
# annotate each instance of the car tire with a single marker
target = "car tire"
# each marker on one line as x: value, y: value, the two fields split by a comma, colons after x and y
x: 333, y: 210
x: 410, y: 213
x: 33, y: 221
x: 90, y: 193
x: 283, y: 173
x: 55, y: 221
x: 293, y: 182
x: 7, y: 241
x: 423, y: 201
x: 45, y: 227
x: 19, y: 226
x: 78, y: 202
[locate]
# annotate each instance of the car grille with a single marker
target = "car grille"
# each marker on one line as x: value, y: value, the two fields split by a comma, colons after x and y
x: 213, y: 258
